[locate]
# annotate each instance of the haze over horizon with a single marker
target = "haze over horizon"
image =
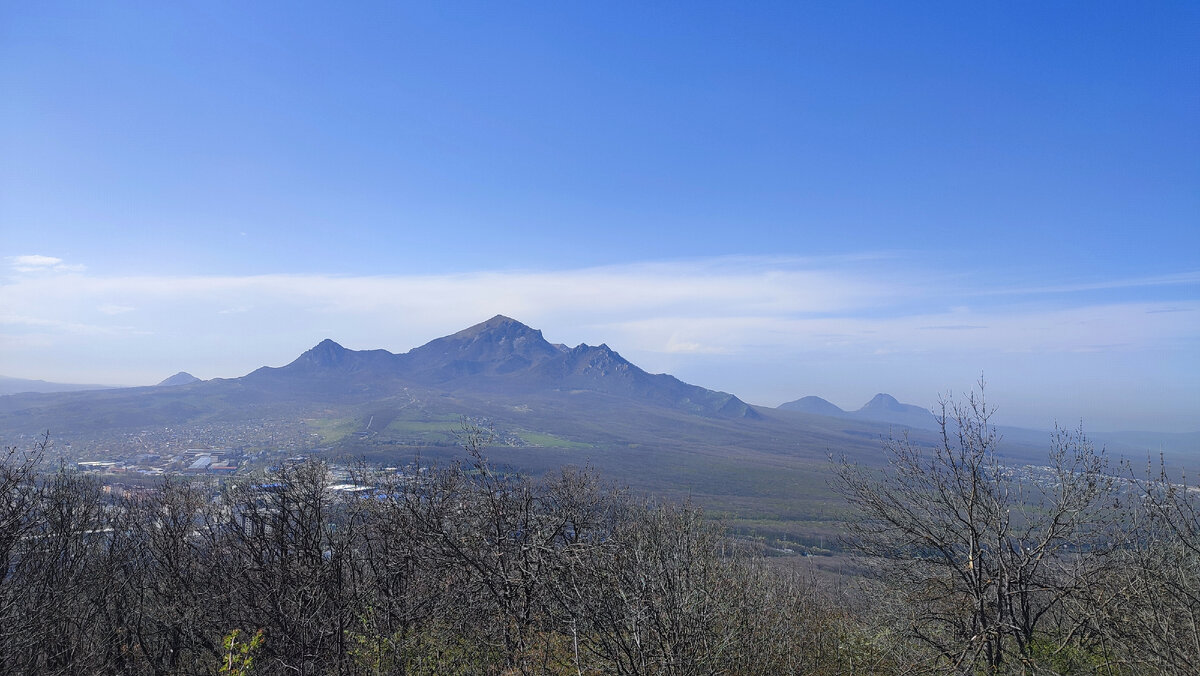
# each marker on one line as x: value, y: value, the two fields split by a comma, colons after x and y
x: 775, y: 201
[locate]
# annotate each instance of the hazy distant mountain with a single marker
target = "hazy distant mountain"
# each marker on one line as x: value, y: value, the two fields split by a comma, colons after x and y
x: 885, y: 408
x: 550, y: 404
x: 496, y: 361
x: 20, y: 385
x: 882, y: 408
x: 181, y: 378
x: 814, y: 405
x: 501, y: 370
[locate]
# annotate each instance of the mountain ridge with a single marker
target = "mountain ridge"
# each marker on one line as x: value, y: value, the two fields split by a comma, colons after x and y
x: 500, y: 357
x: 504, y: 354
x: 490, y: 370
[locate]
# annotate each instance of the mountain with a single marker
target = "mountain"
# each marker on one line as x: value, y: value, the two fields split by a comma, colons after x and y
x: 814, y: 405
x: 550, y: 406
x: 882, y: 408
x: 181, y: 378
x: 326, y: 373
x: 330, y: 357
x: 504, y: 355
x: 498, y: 347
x: 600, y: 369
x: 499, y: 360
x: 22, y: 385
x: 885, y: 408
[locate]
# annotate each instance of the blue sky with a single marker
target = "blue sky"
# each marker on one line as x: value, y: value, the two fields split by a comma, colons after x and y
x: 776, y: 200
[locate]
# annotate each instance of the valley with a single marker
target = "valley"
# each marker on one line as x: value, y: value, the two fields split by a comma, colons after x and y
x: 763, y: 472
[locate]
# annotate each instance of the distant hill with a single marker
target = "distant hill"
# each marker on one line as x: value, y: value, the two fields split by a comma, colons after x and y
x: 551, y: 405
x: 882, y: 408
x: 181, y: 378
x: 885, y: 408
x: 814, y: 405
x: 21, y: 385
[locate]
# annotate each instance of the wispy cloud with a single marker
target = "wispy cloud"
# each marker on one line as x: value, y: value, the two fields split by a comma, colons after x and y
x: 39, y: 263
x: 1175, y: 279
x: 36, y: 261
x: 58, y: 325
x: 1125, y: 326
x: 952, y: 327
x: 725, y: 305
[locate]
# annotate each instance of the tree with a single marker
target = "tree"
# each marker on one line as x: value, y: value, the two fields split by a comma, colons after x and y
x: 467, y: 569
x: 984, y: 552
x: 1146, y: 606
x: 20, y: 497
x: 290, y: 558
x: 169, y: 577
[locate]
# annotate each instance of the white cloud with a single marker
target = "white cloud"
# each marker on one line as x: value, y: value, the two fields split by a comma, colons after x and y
x: 36, y: 261
x: 698, y: 307
x: 39, y: 263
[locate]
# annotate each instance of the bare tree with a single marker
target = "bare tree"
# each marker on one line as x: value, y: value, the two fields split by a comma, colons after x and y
x: 982, y: 550
x: 176, y: 599
x: 465, y: 569
x: 20, y: 497
x: 288, y: 561
x: 1146, y: 607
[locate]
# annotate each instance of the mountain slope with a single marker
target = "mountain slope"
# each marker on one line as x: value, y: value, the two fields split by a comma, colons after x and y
x: 600, y: 369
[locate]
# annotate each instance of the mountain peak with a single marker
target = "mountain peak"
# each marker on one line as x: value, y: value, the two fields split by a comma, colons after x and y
x: 498, y: 346
x: 883, y: 401
x: 885, y: 408
x: 599, y: 360
x: 813, y: 404
x: 328, y: 345
x: 497, y: 325
x: 181, y: 378
x: 325, y: 353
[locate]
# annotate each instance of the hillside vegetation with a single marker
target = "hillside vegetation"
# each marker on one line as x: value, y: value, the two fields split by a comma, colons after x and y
x: 971, y: 568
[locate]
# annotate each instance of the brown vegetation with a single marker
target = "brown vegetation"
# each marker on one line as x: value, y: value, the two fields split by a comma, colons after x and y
x: 469, y: 570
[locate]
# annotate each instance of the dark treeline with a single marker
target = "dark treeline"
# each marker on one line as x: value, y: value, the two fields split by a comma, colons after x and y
x: 457, y: 570
x: 468, y: 570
